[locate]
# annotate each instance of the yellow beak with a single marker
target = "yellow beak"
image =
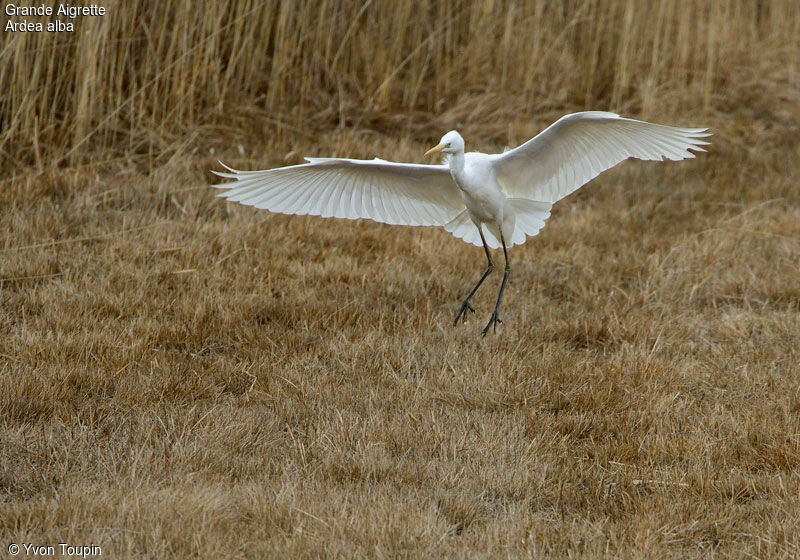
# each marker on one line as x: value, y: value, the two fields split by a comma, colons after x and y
x: 435, y: 149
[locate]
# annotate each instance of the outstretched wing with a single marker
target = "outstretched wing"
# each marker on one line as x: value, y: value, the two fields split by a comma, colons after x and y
x: 392, y: 193
x: 578, y: 147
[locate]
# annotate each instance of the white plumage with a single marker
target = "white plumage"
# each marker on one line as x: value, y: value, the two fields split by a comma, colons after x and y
x: 497, y: 200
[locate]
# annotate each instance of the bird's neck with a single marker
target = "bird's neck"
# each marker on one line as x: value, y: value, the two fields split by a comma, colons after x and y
x: 456, y: 164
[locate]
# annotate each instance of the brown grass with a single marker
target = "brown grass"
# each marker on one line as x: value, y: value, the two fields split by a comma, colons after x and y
x: 184, y: 378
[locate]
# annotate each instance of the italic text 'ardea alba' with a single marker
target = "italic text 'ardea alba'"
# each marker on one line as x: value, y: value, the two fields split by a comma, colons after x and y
x: 493, y: 200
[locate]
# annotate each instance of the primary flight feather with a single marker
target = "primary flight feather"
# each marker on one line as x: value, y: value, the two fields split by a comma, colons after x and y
x: 489, y: 200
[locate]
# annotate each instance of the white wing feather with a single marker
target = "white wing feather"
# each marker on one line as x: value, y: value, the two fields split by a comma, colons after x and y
x: 578, y: 147
x: 392, y: 193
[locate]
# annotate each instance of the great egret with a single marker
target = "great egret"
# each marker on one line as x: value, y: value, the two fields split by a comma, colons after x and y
x: 494, y: 200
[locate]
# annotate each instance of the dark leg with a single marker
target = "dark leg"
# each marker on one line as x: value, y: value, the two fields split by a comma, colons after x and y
x: 494, y: 319
x: 462, y: 313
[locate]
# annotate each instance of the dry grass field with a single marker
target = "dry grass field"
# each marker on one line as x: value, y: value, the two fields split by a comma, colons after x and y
x: 182, y: 377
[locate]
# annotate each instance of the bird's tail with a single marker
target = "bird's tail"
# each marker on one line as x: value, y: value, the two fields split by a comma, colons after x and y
x: 530, y: 217
x: 527, y: 218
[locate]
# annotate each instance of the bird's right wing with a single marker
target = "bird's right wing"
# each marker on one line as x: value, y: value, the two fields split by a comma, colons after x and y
x: 578, y: 147
x: 392, y: 193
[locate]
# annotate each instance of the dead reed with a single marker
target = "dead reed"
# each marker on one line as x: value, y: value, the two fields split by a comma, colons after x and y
x: 141, y: 78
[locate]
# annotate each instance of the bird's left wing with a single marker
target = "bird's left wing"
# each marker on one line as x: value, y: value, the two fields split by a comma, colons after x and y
x: 388, y: 192
x: 578, y: 147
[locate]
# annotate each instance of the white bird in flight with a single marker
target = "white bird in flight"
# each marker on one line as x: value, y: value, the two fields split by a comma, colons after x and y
x: 493, y: 200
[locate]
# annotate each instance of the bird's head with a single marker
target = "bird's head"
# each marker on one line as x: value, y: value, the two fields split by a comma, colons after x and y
x: 451, y: 143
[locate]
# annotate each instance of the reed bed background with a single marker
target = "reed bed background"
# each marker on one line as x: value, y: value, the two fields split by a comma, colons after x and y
x: 143, y: 80
x: 184, y: 378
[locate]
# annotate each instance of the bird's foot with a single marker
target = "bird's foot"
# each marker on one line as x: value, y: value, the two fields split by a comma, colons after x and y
x: 493, y: 320
x: 462, y: 313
